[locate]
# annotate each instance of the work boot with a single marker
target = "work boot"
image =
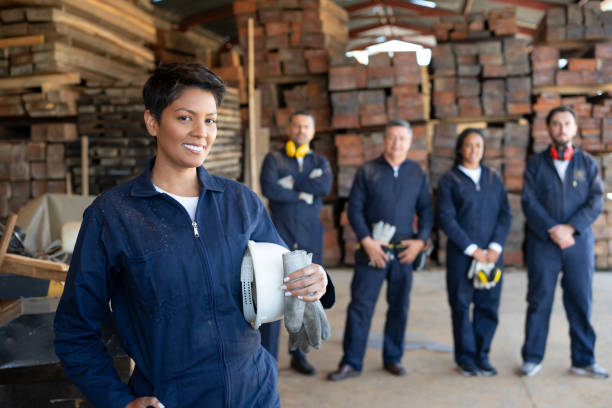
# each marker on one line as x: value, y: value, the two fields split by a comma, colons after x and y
x: 342, y: 373
x: 594, y: 370
x: 302, y: 366
x: 469, y: 370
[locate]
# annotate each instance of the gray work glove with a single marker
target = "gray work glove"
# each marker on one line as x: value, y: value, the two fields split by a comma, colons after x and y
x: 307, y: 197
x: 305, y: 321
x: 286, y: 182
x: 315, y: 173
x: 383, y: 232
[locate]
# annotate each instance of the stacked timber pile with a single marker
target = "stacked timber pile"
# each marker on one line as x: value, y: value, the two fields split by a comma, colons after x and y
x: 293, y: 42
x: 331, y: 249
x: 231, y: 70
x: 602, y: 227
x: 225, y: 158
x: 474, y: 26
x: 486, y: 78
x: 575, y: 22
x: 506, y: 153
x: 387, y: 88
x: 32, y: 165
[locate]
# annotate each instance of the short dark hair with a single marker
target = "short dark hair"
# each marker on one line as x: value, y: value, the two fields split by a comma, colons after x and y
x: 559, y: 109
x: 303, y: 113
x: 168, y: 82
x: 461, y: 138
x: 398, y: 122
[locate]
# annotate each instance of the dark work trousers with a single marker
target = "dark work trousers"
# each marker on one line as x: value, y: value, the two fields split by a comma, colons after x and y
x: 472, y: 337
x: 544, y: 262
x: 365, y: 289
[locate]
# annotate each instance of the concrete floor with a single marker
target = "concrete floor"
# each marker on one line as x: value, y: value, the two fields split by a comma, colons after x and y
x: 433, y: 380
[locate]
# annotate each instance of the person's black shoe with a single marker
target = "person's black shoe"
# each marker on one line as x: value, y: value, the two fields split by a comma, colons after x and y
x: 395, y: 369
x: 302, y: 366
x: 342, y: 373
x: 469, y: 370
x: 486, y: 369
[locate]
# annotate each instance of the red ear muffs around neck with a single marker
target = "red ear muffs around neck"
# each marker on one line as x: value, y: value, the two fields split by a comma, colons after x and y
x: 568, y: 153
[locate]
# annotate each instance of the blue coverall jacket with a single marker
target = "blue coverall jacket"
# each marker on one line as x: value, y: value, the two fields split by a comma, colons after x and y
x: 478, y: 214
x: 297, y: 222
x: 548, y: 201
x: 175, y: 294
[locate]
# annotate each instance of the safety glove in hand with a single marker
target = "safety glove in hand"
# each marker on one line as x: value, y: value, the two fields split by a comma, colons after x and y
x: 484, y: 275
x: 315, y: 173
x: 286, y: 182
x: 307, y: 198
x: 305, y: 321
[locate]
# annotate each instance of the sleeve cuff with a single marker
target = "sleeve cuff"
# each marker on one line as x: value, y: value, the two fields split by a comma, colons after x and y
x: 496, y: 247
x: 469, y: 251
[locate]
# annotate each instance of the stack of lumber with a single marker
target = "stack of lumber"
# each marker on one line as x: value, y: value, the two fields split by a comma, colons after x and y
x: 349, y: 239
x: 602, y: 227
x: 331, y: 249
x: 387, y: 88
x: 100, y: 41
x: 292, y: 37
x: 231, y: 70
x: 31, y: 168
x: 226, y: 156
x: 577, y: 72
x: 193, y: 44
x: 486, y: 78
x: 496, y: 23
x: 575, y: 22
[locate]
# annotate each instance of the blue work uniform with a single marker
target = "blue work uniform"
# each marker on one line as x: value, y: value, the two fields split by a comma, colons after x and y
x: 378, y: 194
x: 297, y: 222
x: 548, y: 201
x: 471, y: 213
x: 173, y: 288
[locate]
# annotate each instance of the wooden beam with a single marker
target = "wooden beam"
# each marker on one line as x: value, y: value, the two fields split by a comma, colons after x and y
x: 531, y: 4
x: 85, y: 166
x: 208, y: 16
x: 34, y: 268
x: 24, y: 41
x: 403, y: 5
x: 252, y: 108
x: 36, y: 81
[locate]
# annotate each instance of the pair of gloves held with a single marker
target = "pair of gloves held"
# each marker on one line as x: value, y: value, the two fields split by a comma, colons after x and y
x: 288, y: 181
x: 305, y: 321
x: 484, y: 275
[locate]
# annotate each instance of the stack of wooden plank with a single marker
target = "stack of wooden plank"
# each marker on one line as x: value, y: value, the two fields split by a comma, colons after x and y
x: 575, y: 22
x: 331, y: 250
x: 32, y: 167
x: 602, y: 227
x: 478, y: 25
x: 193, y: 44
x: 96, y: 39
x: 349, y: 239
x: 387, y: 88
x: 226, y: 156
x: 578, y: 71
x: 487, y: 78
x: 292, y: 37
x: 231, y: 70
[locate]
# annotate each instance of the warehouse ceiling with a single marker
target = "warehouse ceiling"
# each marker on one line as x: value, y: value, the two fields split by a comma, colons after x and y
x: 374, y: 21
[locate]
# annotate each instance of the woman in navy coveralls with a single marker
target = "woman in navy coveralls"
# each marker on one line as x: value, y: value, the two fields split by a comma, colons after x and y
x: 163, y: 254
x: 474, y: 212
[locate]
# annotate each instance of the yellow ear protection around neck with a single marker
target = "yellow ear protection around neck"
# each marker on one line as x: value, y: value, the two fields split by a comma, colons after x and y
x: 299, y: 152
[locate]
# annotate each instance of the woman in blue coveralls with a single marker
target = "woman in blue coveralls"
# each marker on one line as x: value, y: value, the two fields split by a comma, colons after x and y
x: 474, y: 212
x: 163, y: 253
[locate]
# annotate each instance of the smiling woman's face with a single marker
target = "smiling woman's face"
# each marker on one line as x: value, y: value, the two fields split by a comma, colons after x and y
x: 187, y: 130
x: 472, y: 150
